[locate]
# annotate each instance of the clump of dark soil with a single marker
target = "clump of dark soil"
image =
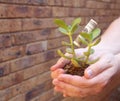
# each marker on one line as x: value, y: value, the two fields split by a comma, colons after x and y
x: 70, y: 69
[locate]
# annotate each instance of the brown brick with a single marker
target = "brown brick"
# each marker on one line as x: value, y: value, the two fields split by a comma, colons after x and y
x: 36, y: 47
x: 38, y: 2
x: 42, y: 12
x: 55, y: 2
x: 79, y: 3
x: 5, y: 94
x: 114, y: 13
x: 115, y: 6
x: 54, y: 34
x: 31, y: 83
x: 45, y: 96
x: 50, y: 54
x: 117, y: 1
x: 74, y: 3
x: 25, y: 62
x: 38, y: 69
x: 58, y: 98
x: 39, y: 90
x: 20, y: 97
x: 5, y: 40
x: 31, y: 36
x: 3, y: 12
x: 4, y: 68
x: 35, y: 24
x: 19, y: 11
x: 102, y: 12
x: 29, y: 61
x: 104, y: 25
x: 54, y: 43
x: 12, y: 53
x: 10, y: 25
x: 32, y: 2
x: 11, y: 79
x: 60, y: 11
x: 68, y: 3
x: 27, y: 11
x: 10, y: 92
x: 105, y: 19
x: 16, y: 89
x: 97, y: 4
x: 81, y: 12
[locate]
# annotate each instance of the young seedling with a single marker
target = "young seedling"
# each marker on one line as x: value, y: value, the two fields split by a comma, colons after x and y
x: 77, y: 64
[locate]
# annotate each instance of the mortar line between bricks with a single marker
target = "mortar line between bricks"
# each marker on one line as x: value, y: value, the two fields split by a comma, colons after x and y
x: 26, y: 80
x: 52, y: 5
x: 20, y: 70
x: 25, y: 4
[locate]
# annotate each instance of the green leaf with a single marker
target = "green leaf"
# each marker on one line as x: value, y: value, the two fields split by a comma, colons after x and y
x: 63, y: 31
x: 61, y: 23
x: 76, y: 22
x: 95, y: 33
x: 69, y: 50
x: 62, y: 55
x: 74, y: 29
x: 96, y: 41
x: 86, y: 36
x: 66, y: 43
x: 75, y: 25
x: 82, y: 39
x: 75, y: 63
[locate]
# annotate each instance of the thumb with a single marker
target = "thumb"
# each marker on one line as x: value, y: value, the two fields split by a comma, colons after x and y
x: 60, y: 64
x: 93, y: 70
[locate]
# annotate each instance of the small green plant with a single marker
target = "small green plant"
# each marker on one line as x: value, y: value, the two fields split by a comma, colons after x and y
x: 87, y: 39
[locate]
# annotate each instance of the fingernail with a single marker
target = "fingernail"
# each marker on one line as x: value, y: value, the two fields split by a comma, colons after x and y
x: 89, y: 73
x: 55, y: 82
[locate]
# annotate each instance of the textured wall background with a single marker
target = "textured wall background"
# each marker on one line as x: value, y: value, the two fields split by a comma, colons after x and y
x: 29, y: 39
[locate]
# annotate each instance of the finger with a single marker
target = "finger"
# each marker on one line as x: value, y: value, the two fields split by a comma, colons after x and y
x: 58, y: 89
x: 103, y: 79
x: 60, y: 64
x: 102, y: 64
x: 56, y: 73
x: 75, y: 80
x: 69, y: 90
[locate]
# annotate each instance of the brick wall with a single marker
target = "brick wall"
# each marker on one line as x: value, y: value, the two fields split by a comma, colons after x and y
x: 29, y: 39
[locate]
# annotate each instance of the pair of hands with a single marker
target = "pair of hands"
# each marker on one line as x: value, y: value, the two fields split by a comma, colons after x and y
x: 95, y: 78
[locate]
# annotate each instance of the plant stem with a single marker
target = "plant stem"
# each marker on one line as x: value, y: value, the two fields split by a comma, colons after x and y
x: 72, y: 45
x: 89, y: 48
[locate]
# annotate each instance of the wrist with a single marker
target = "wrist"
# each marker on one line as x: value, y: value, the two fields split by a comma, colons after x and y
x: 107, y: 48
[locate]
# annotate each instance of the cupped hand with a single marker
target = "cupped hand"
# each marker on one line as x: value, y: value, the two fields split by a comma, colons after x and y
x: 95, y: 78
x: 57, y: 69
